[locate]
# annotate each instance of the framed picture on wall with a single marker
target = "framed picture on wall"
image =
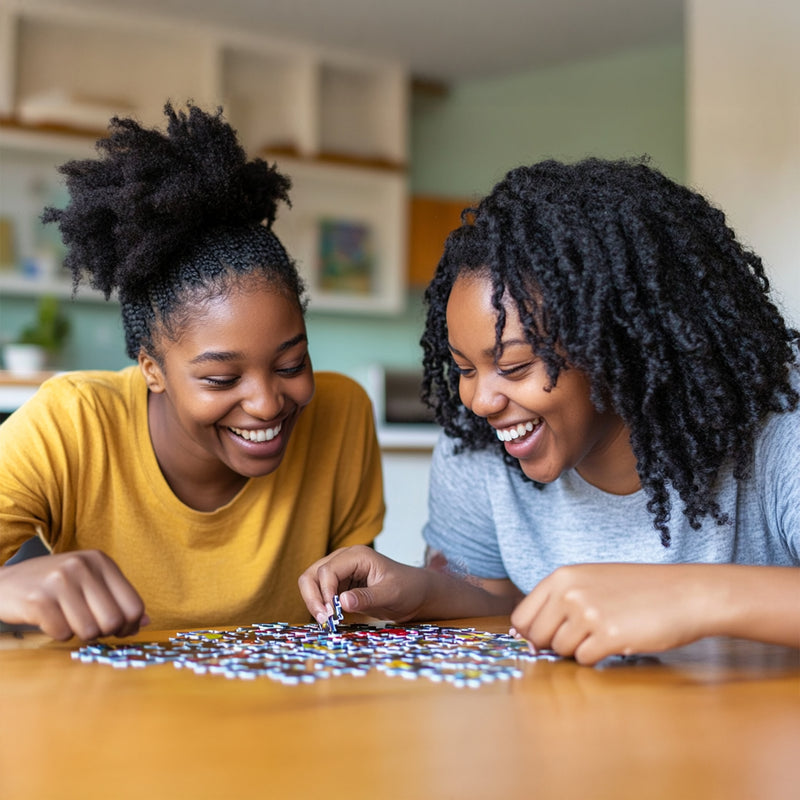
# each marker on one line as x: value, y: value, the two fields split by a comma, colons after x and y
x: 346, y: 230
x: 345, y: 257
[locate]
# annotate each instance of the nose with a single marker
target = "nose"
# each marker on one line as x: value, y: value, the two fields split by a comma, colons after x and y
x: 262, y: 398
x: 482, y: 395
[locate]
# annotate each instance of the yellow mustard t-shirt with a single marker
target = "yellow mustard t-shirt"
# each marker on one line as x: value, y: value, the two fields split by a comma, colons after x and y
x: 76, y: 461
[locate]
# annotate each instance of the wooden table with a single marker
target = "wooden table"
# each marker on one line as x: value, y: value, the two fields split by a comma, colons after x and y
x: 717, y: 719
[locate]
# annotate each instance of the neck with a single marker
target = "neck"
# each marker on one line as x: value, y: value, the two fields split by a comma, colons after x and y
x: 612, y: 466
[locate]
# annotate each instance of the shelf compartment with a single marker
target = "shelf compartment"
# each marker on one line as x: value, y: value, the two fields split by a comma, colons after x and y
x: 327, y: 197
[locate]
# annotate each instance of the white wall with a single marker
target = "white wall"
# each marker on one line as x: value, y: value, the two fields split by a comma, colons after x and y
x: 743, y: 118
x: 405, y: 486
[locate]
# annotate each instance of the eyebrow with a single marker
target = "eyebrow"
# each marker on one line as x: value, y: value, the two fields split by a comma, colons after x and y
x: 236, y: 355
x: 490, y: 351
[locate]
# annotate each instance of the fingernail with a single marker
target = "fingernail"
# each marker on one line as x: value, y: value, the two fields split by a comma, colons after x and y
x: 513, y: 632
x: 322, y: 620
x: 145, y: 620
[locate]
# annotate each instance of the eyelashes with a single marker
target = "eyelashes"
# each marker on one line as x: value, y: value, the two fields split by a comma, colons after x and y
x: 286, y: 372
x: 510, y: 372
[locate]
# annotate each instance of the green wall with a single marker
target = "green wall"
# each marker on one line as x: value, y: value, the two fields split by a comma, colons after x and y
x: 623, y: 105
x: 343, y: 343
x: 461, y: 144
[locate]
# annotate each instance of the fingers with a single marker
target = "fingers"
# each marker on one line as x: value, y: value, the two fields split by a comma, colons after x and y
x: 82, y: 594
x: 592, y: 649
x: 95, y: 598
x: 366, y: 582
x: 528, y: 621
x: 548, y: 622
x: 568, y: 638
x: 114, y: 604
x: 330, y: 576
x: 359, y: 601
x: 52, y: 621
x: 568, y: 613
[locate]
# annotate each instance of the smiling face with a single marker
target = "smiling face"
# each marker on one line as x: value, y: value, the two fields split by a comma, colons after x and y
x: 549, y: 430
x: 227, y: 394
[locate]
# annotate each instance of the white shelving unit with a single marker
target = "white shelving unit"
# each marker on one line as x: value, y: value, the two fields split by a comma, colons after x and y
x: 336, y: 123
x: 21, y: 286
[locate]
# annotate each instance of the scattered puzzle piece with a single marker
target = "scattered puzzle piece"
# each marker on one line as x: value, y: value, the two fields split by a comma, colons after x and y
x: 294, y: 654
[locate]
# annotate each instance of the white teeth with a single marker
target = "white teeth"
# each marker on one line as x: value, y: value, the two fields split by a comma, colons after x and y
x: 262, y: 435
x: 517, y: 431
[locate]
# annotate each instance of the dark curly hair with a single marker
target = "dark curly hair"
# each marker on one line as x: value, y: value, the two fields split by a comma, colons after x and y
x: 168, y: 220
x: 638, y: 282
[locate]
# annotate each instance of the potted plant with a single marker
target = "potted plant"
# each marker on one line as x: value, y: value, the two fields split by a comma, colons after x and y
x: 40, y: 342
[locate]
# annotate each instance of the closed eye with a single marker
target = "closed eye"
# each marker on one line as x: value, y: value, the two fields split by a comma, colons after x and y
x: 220, y: 382
x: 512, y: 371
x: 296, y: 369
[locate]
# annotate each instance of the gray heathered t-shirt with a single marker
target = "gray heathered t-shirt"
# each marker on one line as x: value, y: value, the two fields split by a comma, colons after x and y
x: 491, y: 523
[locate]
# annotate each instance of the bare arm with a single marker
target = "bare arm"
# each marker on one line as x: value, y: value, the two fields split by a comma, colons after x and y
x: 761, y: 603
x: 371, y: 584
x: 591, y: 611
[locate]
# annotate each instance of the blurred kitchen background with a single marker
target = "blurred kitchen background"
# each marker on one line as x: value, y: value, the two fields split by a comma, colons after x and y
x: 390, y: 118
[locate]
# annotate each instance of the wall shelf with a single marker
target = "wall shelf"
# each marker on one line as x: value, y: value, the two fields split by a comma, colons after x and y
x: 337, y: 121
x: 12, y: 285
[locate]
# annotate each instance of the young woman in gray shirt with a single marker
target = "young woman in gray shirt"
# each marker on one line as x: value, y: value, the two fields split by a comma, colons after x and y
x: 619, y: 467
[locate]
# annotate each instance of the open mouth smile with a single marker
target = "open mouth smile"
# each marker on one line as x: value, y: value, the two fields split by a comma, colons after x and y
x: 519, y: 431
x: 259, y: 435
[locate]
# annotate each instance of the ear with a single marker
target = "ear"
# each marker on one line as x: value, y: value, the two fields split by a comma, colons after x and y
x: 153, y: 374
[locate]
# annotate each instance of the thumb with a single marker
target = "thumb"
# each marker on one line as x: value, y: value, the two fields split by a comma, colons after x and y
x: 362, y: 600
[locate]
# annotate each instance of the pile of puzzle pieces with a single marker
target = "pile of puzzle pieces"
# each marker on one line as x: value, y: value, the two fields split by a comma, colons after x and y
x: 294, y: 654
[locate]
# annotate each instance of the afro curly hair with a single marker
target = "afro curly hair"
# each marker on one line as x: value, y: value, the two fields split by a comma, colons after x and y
x: 638, y: 282
x: 168, y: 218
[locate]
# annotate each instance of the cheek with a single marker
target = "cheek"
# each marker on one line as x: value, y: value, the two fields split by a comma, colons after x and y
x: 205, y: 407
x: 209, y: 412
x: 582, y: 416
x: 303, y: 391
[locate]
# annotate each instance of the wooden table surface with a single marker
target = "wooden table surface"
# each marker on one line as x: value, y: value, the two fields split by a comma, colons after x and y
x: 717, y: 719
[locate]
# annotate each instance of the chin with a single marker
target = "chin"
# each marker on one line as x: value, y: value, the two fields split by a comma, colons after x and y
x: 539, y: 475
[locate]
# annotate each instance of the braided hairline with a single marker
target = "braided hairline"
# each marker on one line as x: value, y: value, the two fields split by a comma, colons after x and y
x: 218, y: 264
x: 640, y: 284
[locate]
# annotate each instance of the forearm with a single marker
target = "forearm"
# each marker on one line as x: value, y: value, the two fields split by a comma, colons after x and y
x: 449, y: 596
x: 760, y: 603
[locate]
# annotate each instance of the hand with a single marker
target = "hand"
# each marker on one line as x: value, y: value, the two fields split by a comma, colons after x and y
x: 82, y: 593
x: 591, y: 611
x: 366, y: 582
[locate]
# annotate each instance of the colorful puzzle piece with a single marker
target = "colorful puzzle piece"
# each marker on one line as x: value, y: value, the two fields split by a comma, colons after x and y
x: 335, y: 618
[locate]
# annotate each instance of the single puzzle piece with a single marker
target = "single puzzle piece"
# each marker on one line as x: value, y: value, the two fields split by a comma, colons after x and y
x: 335, y: 618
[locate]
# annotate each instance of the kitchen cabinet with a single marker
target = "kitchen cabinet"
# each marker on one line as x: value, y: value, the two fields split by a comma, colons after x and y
x: 431, y: 219
x: 335, y: 122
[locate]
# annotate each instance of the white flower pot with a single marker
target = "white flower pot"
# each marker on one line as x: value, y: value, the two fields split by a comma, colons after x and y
x: 24, y: 359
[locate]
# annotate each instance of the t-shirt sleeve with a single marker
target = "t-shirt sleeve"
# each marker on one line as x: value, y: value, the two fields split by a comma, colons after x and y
x: 460, y: 520
x: 34, y: 452
x: 778, y: 467
x: 360, y: 500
